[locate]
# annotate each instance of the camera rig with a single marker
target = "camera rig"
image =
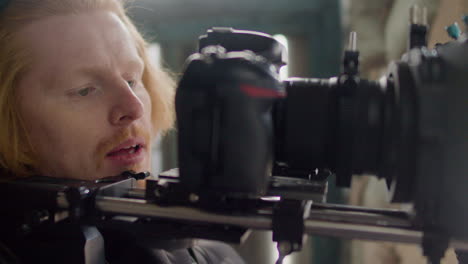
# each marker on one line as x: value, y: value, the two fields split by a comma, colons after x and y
x: 255, y: 152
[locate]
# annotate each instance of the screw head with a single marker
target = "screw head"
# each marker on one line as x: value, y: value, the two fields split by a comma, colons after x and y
x: 193, y: 198
x: 284, y: 247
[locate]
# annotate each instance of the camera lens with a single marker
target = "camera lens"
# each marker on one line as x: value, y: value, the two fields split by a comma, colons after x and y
x: 332, y: 124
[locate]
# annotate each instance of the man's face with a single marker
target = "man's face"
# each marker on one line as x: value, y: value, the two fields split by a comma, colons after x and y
x: 85, y: 109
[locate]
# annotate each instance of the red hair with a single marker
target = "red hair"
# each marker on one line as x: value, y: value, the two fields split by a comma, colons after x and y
x: 15, y: 150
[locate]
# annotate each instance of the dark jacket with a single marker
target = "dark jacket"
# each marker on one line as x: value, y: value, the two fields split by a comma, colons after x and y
x: 77, y: 245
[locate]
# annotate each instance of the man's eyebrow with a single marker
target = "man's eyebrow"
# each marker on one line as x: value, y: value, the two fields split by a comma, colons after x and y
x: 95, y: 71
x: 86, y: 69
x: 134, y: 64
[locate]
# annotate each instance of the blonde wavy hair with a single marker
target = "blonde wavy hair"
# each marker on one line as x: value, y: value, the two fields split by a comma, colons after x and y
x: 16, y: 156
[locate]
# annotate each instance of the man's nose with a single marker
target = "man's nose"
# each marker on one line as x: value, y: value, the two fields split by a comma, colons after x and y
x: 127, y: 106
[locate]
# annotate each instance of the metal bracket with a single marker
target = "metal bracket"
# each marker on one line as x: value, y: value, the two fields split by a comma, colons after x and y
x: 288, y: 225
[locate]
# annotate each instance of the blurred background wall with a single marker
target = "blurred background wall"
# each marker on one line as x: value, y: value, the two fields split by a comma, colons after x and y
x: 314, y: 30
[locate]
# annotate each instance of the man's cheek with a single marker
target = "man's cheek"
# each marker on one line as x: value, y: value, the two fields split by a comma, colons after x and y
x: 145, y: 100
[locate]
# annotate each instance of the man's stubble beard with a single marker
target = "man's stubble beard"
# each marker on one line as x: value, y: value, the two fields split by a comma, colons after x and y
x: 105, y: 146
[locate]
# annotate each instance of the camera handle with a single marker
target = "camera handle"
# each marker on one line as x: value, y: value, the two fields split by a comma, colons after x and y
x: 288, y: 226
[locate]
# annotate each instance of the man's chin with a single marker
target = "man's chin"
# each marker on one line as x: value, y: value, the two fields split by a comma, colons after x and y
x: 92, y: 175
x: 119, y: 171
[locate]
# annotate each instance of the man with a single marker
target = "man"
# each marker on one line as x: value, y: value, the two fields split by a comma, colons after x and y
x: 79, y: 98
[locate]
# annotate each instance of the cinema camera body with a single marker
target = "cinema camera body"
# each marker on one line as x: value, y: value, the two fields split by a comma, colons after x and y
x: 255, y: 152
x: 239, y: 125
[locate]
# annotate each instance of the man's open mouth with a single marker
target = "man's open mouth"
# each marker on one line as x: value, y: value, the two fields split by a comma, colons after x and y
x: 125, y: 151
x: 128, y: 153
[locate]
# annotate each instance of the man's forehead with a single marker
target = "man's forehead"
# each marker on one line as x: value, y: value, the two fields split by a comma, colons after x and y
x: 67, y: 42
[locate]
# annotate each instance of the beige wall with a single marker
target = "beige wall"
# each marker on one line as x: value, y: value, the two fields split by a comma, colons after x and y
x: 449, y: 11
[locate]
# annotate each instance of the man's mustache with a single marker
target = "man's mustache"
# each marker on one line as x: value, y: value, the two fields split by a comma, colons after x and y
x: 108, y: 144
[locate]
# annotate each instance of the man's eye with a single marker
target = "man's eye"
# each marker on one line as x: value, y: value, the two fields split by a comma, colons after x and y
x: 131, y: 83
x: 85, y: 91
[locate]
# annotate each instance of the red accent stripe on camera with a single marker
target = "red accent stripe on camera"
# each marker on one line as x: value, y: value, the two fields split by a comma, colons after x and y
x: 255, y: 91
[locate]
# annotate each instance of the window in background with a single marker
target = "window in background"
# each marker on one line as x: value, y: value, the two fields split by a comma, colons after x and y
x: 154, y: 53
x: 284, y: 73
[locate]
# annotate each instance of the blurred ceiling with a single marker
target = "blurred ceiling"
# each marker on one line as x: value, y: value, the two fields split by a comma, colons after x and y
x: 167, y: 19
x: 315, y: 26
x: 163, y: 10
